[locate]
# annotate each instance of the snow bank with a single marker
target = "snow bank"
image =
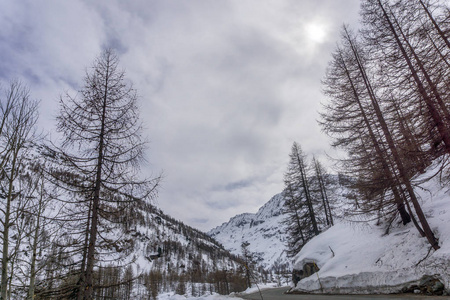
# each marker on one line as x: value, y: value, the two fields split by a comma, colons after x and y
x: 357, y: 257
x: 172, y: 296
x: 215, y: 296
x: 260, y: 287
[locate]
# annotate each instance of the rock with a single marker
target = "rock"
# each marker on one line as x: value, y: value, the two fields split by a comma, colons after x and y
x: 438, y: 288
x: 431, y: 285
x: 307, y: 270
x: 410, y: 289
x: 426, y: 280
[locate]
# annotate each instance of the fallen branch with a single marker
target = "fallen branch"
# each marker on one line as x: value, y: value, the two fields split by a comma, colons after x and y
x: 428, y: 254
x: 331, y: 251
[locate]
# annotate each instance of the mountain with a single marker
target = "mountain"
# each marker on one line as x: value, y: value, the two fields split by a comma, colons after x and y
x: 135, y: 241
x: 263, y: 231
x: 177, y: 246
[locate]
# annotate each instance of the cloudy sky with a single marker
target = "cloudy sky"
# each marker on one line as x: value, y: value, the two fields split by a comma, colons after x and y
x: 226, y: 86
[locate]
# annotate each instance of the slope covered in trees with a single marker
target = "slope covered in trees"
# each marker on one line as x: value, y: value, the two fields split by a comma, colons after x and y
x: 155, y: 253
x: 388, y: 104
x: 267, y: 231
x: 77, y: 220
x: 360, y: 258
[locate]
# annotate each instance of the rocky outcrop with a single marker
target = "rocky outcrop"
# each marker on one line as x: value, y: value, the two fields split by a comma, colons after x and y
x: 428, y: 285
x: 307, y: 270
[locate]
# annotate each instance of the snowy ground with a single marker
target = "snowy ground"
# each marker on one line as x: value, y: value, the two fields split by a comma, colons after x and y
x: 173, y: 296
x: 357, y: 257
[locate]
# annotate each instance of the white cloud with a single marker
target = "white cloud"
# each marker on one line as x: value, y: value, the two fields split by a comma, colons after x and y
x: 226, y: 86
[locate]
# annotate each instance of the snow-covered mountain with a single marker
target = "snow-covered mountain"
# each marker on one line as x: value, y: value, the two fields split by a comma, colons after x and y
x: 263, y: 231
x: 136, y: 241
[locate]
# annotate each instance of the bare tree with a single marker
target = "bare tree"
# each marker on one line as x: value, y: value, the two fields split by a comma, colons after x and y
x: 103, y: 143
x: 248, y: 262
x: 378, y: 15
x: 320, y: 179
x: 294, y: 221
x: 298, y: 171
x: 395, y: 33
x: 349, y: 119
x: 372, y: 72
x: 299, y: 206
x: 42, y: 226
x: 17, y: 131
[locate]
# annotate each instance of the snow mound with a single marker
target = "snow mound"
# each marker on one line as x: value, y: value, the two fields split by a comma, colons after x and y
x: 358, y: 257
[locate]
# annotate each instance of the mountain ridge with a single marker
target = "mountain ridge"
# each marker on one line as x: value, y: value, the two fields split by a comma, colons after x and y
x: 262, y: 230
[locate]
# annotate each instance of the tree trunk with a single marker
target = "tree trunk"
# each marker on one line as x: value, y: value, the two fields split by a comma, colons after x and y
x: 6, y: 225
x: 323, y: 194
x: 82, y: 279
x: 398, y: 161
x: 89, y: 293
x: 386, y: 170
x: 427, y: 99
x: 297, y: 220
x: 307, y: 194
x: 34, y: 247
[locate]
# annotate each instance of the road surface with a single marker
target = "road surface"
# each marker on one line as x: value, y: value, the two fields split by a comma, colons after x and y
x: 278, y: 294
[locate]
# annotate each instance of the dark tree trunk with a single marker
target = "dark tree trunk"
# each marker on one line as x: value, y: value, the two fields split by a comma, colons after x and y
x: 381, y: 154
x: 301, y: 169
x: 398, y: 161
x: 438, y: 120
x: 89, y: 292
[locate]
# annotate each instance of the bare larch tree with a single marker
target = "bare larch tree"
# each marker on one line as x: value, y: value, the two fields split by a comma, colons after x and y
x: 102, y: 141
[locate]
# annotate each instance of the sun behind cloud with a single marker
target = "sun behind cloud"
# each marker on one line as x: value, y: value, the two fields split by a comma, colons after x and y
x: 316, y: 31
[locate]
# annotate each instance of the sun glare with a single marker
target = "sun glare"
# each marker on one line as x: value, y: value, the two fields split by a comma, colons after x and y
x: 315, y: 32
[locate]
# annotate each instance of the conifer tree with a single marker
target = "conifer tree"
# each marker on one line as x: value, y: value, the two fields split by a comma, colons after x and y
x: 299, y: 206
x: 319, y: 177
x: 389, y: 102
x: 102, y: 142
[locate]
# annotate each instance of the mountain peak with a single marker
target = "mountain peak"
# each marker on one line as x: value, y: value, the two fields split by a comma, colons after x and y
x: 262, y: 230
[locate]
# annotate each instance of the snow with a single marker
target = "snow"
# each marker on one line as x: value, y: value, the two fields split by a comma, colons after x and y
x: 260, y: 287
x: 355, y: 255
x: 358, y: 257
x: 262, y: 230
x: 214, y: 296
x: 265, y: 232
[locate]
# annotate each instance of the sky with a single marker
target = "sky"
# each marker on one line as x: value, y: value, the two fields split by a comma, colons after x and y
x: 225, y: 86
